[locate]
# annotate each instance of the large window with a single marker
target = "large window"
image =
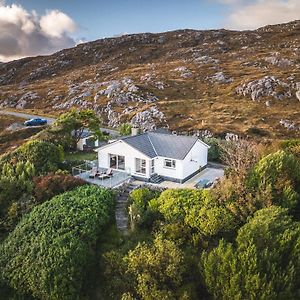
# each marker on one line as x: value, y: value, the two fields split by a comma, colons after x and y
x: 170, y: 163
x: 117, y: 162
x: 140, y: 166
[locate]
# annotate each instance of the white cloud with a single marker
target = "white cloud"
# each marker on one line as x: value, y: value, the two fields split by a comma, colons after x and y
x: 24, y: 33
x: 56, y: 23
x: 259, y: 13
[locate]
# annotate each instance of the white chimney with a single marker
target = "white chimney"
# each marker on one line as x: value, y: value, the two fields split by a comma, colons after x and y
x: 134, y: 130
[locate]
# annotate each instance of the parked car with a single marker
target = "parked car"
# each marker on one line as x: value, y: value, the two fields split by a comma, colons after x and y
x: 35, y: 122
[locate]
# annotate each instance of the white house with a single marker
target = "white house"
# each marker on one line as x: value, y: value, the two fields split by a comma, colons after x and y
x: 87, y: 139
x: 153, y: 156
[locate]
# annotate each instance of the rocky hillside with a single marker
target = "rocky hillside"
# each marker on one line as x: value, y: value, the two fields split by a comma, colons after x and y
x: 215, y: 81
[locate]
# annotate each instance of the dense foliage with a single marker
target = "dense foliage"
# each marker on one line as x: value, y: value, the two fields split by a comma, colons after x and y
x: 237, y: 240
x: 69, y: 127
x: 263, y: 263
x: 280, y: 174
x: 196, y: 209
x: 46, y: 187
x: 45, y: 156
x: 49, y: 252
x: 125, y: 129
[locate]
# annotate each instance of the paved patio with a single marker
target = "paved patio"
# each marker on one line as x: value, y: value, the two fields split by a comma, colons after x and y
x: 117, y: 179
x: 211, y: 174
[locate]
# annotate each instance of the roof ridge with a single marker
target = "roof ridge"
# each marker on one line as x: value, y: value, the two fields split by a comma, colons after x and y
x: 152, y: 144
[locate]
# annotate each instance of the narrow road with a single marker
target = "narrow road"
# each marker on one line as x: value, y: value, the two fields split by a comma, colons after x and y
x: 49, y: 120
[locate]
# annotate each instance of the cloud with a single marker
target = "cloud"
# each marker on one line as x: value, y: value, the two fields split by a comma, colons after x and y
x: 24, y: 33
x: 258, y: 13
x: 55, y: 23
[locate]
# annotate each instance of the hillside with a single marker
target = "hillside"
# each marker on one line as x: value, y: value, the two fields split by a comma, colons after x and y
x: 214, y: 81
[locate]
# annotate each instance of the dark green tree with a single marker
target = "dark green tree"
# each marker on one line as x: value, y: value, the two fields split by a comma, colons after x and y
x: 49, y: 253
x: 71, y: 125
x: 264, y: 263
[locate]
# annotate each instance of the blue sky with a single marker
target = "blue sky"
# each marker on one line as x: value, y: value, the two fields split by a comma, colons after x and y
x: 98, y: 19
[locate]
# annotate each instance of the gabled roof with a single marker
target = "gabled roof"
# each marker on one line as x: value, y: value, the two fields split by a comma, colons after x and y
x: 155, y: 144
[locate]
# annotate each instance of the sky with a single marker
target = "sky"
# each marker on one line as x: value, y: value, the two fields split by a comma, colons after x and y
x: 33, y: 27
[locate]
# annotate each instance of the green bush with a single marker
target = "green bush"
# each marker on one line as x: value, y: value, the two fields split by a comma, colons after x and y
x: 280, y: 174
x: 15, y: 181
x: 214, y: 152
x: 49, y: 253
x: 264, y: 263
x: 157, y: 269
x: 125, y: 129
x: 45, y: 156
x: 196, y: 209
x: 140, y: 212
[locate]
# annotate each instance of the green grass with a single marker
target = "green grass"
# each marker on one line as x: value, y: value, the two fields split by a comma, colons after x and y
x: 76, y: 156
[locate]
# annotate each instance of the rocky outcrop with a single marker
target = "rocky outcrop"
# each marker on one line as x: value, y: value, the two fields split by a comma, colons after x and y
x: 268, y: 86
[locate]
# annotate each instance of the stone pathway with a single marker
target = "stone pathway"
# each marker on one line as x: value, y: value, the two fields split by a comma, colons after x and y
x: 121, y: 212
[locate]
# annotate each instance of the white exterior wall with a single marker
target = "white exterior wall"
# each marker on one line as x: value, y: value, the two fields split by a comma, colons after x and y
x: 121, y: 148
x: 160, y: 169
x: 195, y: 159
x: 82, y: 142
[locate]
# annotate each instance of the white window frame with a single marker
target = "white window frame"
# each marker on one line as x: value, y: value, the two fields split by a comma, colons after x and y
x: 117, y: 161
x: 141, y: 167
x: 172, y: 163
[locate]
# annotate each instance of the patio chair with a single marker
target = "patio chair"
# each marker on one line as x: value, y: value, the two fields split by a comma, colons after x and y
x: 94, y: 173
x: 107, y: 174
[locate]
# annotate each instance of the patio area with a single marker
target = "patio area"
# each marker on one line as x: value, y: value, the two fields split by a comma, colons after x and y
x: 209, y: 174
x: 114, y: 180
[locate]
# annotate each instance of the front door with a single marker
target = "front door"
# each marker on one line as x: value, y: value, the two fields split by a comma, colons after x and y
x: 152, y: 167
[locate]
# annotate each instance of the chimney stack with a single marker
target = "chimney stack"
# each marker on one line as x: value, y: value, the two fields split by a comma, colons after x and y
x: 134, y: 130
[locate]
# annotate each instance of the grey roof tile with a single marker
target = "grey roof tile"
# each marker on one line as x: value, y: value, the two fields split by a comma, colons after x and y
x: 155, y: 144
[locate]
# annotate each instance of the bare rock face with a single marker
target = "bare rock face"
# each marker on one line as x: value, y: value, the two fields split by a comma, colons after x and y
x: 298, y: 95
x: 265, y: 87
x: 290, y: 125
x: 220, y: 77
x: 278, y: 61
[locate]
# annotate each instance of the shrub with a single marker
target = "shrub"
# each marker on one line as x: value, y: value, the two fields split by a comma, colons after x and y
x: 140, y: 212
x: 263, y: 264
x: 157, y: 269
x: 15, y: 180
x: 280, y: 173
x: 196, y: 209
x: 46, y: 187
x: 214, y: 152
x: 125, y: 129
x: 45, y: 156
x: 49, y: 252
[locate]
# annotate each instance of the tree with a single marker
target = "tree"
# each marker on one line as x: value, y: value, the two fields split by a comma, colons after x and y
x: 125, y: 129
x: 45, y: 156
x: 15, y: 181
x: 50, y: 251
x: 71, y: 126
x: 214, y: 152
x: 280, y: 173
x: 240, y: 156
x: 264, y: 263
x: 157, y: 269
x: 197, y: 209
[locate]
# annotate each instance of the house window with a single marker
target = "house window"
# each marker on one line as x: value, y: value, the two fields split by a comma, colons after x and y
x: 117, y: 162
x: 170, y: 163
x: 140, y: 166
